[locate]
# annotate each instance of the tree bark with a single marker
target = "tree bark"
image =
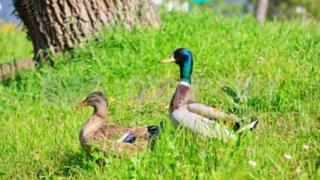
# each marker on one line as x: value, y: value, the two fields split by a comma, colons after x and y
x: 57, y: 25
x: 261, y: 11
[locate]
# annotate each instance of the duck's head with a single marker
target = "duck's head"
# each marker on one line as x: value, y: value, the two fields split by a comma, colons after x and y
x: 182, y: 57
x: 96, y: 100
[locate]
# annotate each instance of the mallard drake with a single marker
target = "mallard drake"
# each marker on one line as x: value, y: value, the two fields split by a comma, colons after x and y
x: 186, y: 111
x: 97, y: 135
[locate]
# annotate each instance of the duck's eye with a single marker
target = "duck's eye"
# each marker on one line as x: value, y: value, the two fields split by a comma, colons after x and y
x: 92, y: 101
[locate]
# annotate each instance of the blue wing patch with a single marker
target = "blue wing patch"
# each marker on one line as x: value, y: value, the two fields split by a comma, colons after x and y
x: 129, y: 139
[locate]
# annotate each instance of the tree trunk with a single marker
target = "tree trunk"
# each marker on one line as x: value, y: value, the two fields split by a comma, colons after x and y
x: 57, y: 25
x: 262, y: 9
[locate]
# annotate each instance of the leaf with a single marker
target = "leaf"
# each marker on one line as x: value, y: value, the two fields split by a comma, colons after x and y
x: 2, y: 173
x: 232, y: 93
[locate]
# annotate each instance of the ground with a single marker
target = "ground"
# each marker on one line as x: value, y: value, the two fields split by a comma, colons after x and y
x: 274, y: 68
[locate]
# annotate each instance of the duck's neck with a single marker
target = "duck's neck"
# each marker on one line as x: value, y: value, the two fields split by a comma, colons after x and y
x: 100, y: 111
x: 186, y: 71
x: 95, y: 122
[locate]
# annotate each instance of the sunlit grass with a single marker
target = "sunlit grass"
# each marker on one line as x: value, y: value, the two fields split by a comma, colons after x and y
x: 39, y: 125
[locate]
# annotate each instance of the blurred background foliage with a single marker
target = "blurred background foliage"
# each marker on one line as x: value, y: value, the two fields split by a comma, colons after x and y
x: 277, y: 10
x: 290, y: 9
x: 14, y: 44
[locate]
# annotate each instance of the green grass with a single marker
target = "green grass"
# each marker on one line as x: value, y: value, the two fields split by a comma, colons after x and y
x: 39, y: 125
x: 13, y: 44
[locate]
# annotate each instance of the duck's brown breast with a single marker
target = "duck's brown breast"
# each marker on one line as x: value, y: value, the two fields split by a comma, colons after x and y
x: 182, y: 96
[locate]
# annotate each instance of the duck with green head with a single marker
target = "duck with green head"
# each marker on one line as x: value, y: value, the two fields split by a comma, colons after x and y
x: 186, y: 111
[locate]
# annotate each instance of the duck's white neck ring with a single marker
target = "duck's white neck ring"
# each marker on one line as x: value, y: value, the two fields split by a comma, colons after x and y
x: 184, y: 83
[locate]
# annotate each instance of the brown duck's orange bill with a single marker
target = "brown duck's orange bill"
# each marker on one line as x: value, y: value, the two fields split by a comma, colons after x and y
x: 82, y: 104
x: 168, y: 60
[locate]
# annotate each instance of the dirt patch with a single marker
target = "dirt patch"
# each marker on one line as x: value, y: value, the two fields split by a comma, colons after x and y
x: 10, y: 69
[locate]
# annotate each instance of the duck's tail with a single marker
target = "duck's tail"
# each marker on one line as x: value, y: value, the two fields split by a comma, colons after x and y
x: 154, y: 132
x: 251, y: 126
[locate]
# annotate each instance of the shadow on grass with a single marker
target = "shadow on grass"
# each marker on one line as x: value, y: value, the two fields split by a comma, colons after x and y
x: 71, y: 164
x: 75, y: 163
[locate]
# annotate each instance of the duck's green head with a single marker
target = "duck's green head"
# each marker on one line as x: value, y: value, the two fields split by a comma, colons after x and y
x: 182, y: 57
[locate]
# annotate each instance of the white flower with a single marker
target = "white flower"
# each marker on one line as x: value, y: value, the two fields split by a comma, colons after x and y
x: 287, y: 156
x: 299, y: 170
x: 305, y: 147
x: 252, y: 163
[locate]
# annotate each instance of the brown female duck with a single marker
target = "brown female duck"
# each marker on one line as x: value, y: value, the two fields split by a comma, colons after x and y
x: 110, y: 138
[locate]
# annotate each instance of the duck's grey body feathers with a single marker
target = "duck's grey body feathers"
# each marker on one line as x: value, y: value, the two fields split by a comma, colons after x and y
x: 212, y: 113
x: 199, y: 124
x: 199, y: 118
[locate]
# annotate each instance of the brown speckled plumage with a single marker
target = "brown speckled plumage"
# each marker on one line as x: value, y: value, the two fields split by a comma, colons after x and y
x: 96, y: 134
x: 108, y: 138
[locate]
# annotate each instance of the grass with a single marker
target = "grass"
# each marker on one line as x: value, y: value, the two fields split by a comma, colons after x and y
x: 13, y: 43
x: 276, y: 66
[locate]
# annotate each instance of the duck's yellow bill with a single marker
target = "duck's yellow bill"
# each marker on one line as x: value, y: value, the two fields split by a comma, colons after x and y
x: 169, y: 60
x: 82, y: 104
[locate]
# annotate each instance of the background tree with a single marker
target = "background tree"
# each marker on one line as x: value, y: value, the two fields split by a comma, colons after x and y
x: 262, y: 9
x: 57, y: 25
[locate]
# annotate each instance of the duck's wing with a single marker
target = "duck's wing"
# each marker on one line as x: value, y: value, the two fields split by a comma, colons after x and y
x: 212, y: 113
x: 115, y: 132
x: 200, y: 124
x: 109, y: 132
x: 141, y: 136
x: 122, y: 138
